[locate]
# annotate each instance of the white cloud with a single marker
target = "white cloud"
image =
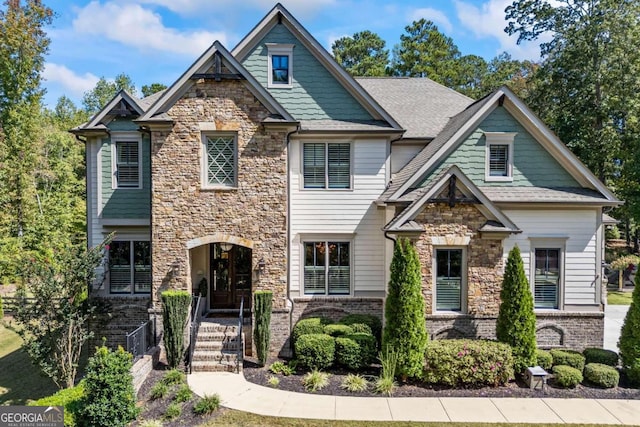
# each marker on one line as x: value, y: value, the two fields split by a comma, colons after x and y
x: 488, y: 21
x: 74, y: 83
x: 303, y: 8
x: 435, y: 15
x: 133, y: 25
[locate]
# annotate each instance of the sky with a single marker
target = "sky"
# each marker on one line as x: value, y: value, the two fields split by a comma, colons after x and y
x: 157, y: 40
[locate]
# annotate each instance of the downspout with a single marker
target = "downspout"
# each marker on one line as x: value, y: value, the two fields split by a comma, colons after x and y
x: 87, y: 208
x: 288, y: 140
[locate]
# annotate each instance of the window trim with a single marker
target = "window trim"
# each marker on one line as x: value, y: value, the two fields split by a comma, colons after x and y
x: 279, y: 49
x: 119, y: 137
x: 326, y: 239
x: 499, y: 138
x: 326, y: 166
x: 463, y: 285
x: 560, y: 244
x: 132, y: 265
x: 204, y: 167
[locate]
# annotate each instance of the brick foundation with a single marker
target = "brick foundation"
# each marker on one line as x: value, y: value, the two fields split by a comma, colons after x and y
x: 118, y: 316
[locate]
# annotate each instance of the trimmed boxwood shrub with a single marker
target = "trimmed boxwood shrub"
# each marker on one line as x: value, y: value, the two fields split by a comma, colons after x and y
x: 262, y: 302
x: 361, y: 328
x: 315, y: 351
x: 601, y: 375
x: 566, y: 376
x: 175, y: 309
x: 355, y: 351
x: 468, y: 363
x: 309, y: 325
x: 70, y: 398
x: 569, y: 358
x: 544, y: 359
x: 338, y: 330
x: 600, y: 355
x: 374, y: 323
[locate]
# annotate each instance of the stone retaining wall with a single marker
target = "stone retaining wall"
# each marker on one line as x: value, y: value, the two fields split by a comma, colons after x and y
x: 143, y: 366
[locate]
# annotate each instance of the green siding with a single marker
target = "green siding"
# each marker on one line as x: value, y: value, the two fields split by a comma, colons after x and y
x: 125, y: 203
x: 315, y: 95
x: 532, y: 164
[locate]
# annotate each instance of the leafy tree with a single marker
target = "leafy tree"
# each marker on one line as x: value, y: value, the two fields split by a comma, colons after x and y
x: 629, y: 342
x: 54, y: 307
x: 148, y: 90
x: 104, y: 90
x: 516, y: 324
x: 362, y: 54
x: 405, y: 330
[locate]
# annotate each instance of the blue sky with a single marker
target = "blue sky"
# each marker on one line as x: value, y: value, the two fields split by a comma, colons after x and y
x: 156, y: 40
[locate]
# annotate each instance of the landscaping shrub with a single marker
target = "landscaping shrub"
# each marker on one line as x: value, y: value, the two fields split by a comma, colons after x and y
x: 569, y: 358
x: 173, y: 411
x: 70, y: 398
x: 373, y: 322
x: 262, y: 301
x: 355, y: 383
x: 315, y: 380
x: 363, y: 328
x: 544, y: 359
x: 629, y: 342
x: 173, y: 376
x: 309, y: 325
x: 355, y: 351
x: 159, y: 390
x: 207, y: 405
x: 516, y: 324
x: 109, y: 399
x: 175, y: 309
x: 468, y: 363
x: 337, y: 330
x: 273, y: 381
x: 405, y: 330
x: 566, y: 376
x: 183, y: 394
x: 602, y: 375
x: 600, y: 355
x: 385, y: 383
x: 281, y: 368
x: 315, y: 351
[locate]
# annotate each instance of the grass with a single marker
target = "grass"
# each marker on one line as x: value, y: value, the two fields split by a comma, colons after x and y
x: 619, y: 298
x: 20, y: 380
x: 244, y: 419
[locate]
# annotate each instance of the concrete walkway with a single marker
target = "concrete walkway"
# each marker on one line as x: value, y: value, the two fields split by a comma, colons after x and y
x: 236, y: 393
x: 613, y: 319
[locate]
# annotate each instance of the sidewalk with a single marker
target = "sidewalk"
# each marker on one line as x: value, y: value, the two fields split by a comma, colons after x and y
x: 236, y: 393
x: 613, y: 319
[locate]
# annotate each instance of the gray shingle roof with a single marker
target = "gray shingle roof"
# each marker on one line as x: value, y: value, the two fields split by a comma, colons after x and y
x: 542, y: 195
x: 420, y: 105
x: 346, y: 125
x: 148, y: 101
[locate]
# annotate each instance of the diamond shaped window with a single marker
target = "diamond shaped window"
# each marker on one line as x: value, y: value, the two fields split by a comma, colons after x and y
x: 221, y: 160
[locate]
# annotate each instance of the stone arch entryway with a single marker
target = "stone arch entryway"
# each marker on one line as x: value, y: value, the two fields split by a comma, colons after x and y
x: 222, y: 268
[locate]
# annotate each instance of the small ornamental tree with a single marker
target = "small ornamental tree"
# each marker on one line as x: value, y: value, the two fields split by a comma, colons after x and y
x: 262, y: 301
x: 516, y: 323
x: 175, y: 309
x: 629, y: 342
x: 405, y: 330
x: 109, y: 399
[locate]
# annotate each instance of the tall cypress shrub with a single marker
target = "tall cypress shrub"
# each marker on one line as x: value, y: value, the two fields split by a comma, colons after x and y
x: 175, y: 309
x: 405, y: 329
x: 629, y: 342
x: 516, y: 323
x: 262, y: 301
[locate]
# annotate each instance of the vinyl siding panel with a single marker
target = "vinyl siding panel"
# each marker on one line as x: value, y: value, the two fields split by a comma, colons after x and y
x: 350, y: 213
x: 315, y: 94
x: 581, y: 270
x: 532, y: 163
x: 402, y: 154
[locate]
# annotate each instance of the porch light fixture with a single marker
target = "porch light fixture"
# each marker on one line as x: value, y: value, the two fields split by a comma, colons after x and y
x: 226, y: 247
x: 262, y: 265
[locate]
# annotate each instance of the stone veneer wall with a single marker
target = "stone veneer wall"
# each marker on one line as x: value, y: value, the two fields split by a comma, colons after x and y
x: 253, y: 214
x: 574, y: 330
x: 457, y: 227
x: 121, y: 315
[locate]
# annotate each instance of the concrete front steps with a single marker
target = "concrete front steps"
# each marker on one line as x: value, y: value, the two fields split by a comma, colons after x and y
x: 217, y: 347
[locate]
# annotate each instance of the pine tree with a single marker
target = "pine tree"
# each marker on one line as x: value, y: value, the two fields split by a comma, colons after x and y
x: 629, y: 342
x: 405, y: 330
x: 516, y: 323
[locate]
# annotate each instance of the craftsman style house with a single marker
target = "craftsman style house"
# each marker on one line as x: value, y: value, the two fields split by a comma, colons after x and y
x: 268, y: 167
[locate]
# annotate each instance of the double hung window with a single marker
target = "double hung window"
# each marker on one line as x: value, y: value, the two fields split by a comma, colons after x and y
x: 127, y: 164
x: 546, y: 287
x: 327, y: 165
x: 130, y: 267
x: 450, y: 278
x: 327, y: 268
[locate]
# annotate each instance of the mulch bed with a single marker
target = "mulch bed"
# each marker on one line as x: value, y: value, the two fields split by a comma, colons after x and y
x: 260, y: 375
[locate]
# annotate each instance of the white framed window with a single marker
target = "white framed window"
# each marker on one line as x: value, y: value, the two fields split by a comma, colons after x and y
x: 450, y: 279
x: 130, y: 267
x: 326, y: 165
x: 126, y: 162
x: 219, y: 160
x: 280, y: 65
x: 327, y: 267
x: 499, y: 156
x: 547, y: 272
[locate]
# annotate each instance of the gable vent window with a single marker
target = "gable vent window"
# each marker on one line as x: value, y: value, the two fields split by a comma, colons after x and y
x: 499, y: 156
x: 327, y: 165
x: 280, y: 65
x: 220, y: 161
x: 127, y: 164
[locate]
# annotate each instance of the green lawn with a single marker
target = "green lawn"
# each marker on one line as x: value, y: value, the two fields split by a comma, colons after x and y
x: 20, y: 380
x: 244, y: 419
x: 619, y: 298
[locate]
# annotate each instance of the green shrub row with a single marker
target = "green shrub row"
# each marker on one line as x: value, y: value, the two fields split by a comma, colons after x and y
x: 567, y: 376
x: 601, y: 375
x: 468, y: 363
x: 568, y: 358
x: 320, y: 351
x: 544, y: 359
x: 352, y: 323
x: 69, y: 398
x: 600, y: 355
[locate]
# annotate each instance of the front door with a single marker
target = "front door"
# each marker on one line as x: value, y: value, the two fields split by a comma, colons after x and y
x: 230, y: 276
